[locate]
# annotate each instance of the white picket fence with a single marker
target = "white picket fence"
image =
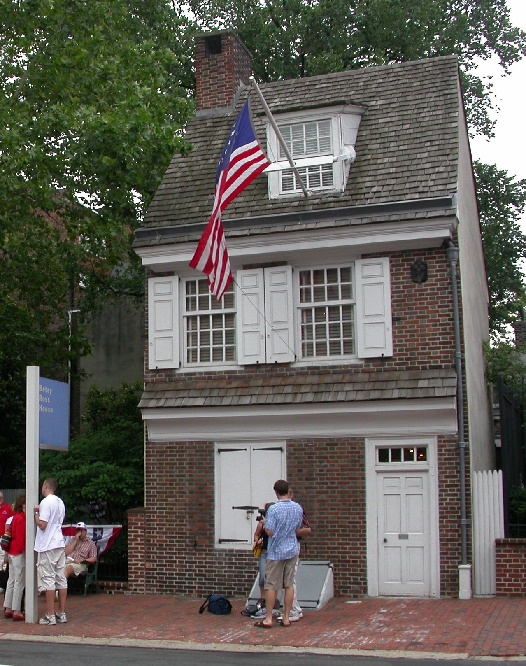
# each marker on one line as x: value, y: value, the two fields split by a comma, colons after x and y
x: 488, y: 525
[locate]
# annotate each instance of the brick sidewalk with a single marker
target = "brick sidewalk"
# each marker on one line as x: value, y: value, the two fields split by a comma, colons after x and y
x: 478, y: 627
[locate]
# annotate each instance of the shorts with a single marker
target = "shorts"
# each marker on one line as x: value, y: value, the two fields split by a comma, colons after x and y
x: 50, y: 570
x: 77, y: 568
x: 280, y: 573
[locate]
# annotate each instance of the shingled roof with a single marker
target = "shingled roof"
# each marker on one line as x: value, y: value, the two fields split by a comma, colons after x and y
x: 302, y: 388
x: 407, y: 146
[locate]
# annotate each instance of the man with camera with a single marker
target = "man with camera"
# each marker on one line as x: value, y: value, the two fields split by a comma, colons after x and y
x: 80, y: 552
x: 281, y: 522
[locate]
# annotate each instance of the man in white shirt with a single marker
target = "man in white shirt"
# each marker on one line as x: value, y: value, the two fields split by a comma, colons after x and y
x: 51, y: 557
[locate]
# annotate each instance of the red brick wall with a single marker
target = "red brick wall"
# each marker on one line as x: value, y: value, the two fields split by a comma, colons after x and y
x: 136, y: 551
x: 328, y: 477
x: 422, y: 326
x: 218, y: 75
x: 511, y: 567
x: 449, y: 515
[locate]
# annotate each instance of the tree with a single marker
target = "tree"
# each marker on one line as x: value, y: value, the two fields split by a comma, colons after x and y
x: 502, y: 201
x: 101, y: 475
x: 93, y: 96
x: 295, y: 38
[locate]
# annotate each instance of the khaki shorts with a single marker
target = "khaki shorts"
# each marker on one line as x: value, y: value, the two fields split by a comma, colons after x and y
x: 50, y: 570
x: 279, y: 574
x: 77, y: 568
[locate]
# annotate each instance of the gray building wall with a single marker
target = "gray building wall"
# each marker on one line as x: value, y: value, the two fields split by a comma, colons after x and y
x: 117, y: 334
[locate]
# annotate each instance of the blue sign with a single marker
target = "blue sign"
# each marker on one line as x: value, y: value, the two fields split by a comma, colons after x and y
x: 53, y: 408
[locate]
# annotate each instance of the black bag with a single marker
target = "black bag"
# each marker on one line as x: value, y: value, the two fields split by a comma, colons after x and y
x: 5, y: 542
x: 216, y: 604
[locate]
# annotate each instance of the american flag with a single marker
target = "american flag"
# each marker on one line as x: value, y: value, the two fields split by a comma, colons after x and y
x: 241, y: 161
x: 103, y: 535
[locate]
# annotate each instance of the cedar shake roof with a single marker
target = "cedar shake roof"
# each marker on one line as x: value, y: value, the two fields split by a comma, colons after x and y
x: 301, y: 388
x: 407, y: 151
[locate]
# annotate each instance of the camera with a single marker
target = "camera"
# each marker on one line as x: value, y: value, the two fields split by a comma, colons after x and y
x: 262, y: 513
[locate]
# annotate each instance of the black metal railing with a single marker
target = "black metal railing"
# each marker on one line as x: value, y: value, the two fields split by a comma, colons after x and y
x: 113, y: 565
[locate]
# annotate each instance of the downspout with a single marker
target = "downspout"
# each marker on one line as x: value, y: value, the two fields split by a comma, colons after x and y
x: 452, y: 257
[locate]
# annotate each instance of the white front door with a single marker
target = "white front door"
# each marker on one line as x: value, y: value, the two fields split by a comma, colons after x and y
x: 402, y: 517
x: 403, y: 533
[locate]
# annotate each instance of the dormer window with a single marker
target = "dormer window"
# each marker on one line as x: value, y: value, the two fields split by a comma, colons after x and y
x: 321, y: 143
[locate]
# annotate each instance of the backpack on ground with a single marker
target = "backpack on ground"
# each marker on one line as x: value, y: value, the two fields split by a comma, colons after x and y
x: 216, y: 604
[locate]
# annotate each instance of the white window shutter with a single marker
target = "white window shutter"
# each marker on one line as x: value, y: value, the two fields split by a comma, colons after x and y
x: 374, y: 329
x: 250, y: 298
x: 233, y: 525
x: 279, y: 314
x: 244, y: 473
x: 163, y: 322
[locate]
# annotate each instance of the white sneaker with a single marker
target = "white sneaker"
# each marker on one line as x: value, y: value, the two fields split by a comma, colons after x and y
x: 294, y: 617
x: 262, y: 613
x: 47, y: 619
x: 61, y: 618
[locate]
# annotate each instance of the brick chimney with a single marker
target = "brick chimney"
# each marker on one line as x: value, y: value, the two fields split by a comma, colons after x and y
x: 222, y: 65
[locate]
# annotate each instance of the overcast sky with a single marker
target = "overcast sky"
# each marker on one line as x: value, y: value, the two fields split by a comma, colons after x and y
x: 508, y: 149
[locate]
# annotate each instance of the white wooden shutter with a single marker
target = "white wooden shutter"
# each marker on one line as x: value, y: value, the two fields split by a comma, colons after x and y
x: 245, y: 474
x: 279, y: 314
x: 268, y: 464
x: 373, y: 308
x: 234, y: 524
x: 250, y: 299
x: 163, y: 322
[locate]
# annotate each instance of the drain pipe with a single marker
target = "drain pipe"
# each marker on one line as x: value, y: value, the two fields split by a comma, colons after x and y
x: 464, y: 568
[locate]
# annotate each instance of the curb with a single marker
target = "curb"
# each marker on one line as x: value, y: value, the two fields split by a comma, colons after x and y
x: 229, y: 647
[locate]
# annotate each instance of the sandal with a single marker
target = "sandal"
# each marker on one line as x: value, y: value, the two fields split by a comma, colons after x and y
x: 262, y: 625
x: 282, y: 624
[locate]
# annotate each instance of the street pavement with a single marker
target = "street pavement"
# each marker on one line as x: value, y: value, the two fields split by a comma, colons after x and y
x: 390, y: 627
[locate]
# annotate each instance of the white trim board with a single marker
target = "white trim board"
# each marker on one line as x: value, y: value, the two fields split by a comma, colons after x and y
x: 372, y: 418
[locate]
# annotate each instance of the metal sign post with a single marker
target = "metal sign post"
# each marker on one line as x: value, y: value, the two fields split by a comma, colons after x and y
x: 32, y: 485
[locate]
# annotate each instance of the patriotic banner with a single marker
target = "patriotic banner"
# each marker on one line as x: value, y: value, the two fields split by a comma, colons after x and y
x: 241, y: 162
x: 103, y: 535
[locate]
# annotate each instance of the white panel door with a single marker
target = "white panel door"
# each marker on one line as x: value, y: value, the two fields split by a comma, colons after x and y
x: 403, y: 533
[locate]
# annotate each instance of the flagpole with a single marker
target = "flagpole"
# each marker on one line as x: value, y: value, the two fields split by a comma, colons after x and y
x: 278, y: 134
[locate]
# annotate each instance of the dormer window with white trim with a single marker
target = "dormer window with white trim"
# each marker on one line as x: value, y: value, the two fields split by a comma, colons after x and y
x: 321, y: 143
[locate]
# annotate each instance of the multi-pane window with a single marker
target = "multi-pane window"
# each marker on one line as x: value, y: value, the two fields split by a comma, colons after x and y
x: 314, y: 177
x: 405, y: 454
x: 209, y: 324
x: 307, y: 140
x: 327, y: 312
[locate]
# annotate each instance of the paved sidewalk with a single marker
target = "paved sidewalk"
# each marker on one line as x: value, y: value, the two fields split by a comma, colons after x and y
x: 392, y: 627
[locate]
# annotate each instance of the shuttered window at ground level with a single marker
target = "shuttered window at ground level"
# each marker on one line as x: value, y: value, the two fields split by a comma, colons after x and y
x: 245, y: 475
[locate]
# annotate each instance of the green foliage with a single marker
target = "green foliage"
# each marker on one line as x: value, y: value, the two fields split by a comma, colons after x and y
x: 502, y: 201
x: 93, y: 96
x: 101, y: 475
x: 295, y: 38
x: 505, y: 361
x: 517, y: 504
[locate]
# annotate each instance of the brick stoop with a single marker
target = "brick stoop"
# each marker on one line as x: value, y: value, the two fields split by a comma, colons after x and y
x: 113, y: 587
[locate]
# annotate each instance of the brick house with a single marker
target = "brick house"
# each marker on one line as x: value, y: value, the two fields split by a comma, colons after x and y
x: 332, y: 360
